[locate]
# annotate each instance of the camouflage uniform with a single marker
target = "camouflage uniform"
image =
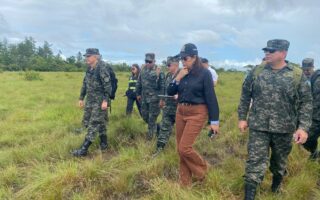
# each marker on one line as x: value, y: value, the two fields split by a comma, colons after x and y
x: 95, y: 89
x: 278, y: 109
x: 314, y: 133
x: 149, y: 86
x: 168, y: 112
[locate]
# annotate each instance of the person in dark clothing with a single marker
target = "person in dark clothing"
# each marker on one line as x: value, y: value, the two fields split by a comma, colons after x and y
x: 197, y: 102
x: 131, y: 91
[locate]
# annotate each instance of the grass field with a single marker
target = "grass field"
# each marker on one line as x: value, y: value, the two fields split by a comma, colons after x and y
x: 38, y: 127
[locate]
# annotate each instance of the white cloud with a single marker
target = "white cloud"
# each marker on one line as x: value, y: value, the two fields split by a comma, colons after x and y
x: 125, y: 30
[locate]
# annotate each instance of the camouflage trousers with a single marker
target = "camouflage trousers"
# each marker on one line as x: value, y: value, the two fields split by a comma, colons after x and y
x: 259, y: 144
x: 312, y: 143
x: 167, y: 122
x: 95, y: 120
x: 150, y: 112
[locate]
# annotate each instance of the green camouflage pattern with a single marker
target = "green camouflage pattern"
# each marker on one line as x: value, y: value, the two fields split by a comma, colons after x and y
x: 258, y: 154
x: 168, y: 113
x: 149, y: 86
x: 278, y: 106
x: 95, y: 90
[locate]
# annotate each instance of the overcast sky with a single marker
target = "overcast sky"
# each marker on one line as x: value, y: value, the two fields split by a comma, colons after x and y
x: 227, y: 32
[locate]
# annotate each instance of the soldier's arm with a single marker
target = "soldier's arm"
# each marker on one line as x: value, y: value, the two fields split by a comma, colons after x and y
x: 245, y: 98
x: 161, y: 83
x: 304, y: 105
x: 316, y: 96
x: 106, y: 83
x: 139, y: 85
x: 83, y: 91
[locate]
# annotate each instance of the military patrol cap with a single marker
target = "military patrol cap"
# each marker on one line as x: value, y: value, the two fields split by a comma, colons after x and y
x: 277, y: 45
x: 188, y: 49
x: 172, y: 59
x: 91, y: 51
x: 307, y: 62
x: 150, y: 56
x: 204, y: 60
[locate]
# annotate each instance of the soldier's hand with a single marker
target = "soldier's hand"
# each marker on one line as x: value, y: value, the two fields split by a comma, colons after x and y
x: 175, y: 97
x: 183, y: 72
x: 242, y: 125
x: 162, y: 103
x: 139, y: 98
x: 81, y: 103
x: 104, y: 105
x: 300, y: 136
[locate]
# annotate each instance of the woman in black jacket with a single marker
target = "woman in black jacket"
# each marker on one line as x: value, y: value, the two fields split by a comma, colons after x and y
x: 197, y: 103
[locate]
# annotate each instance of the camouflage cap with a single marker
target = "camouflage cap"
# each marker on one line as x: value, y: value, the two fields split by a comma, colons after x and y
x: 150, y: 56
x: 172, y: 59
x: 277, y: 44
x: 307, y: 62
x: 91, y: 51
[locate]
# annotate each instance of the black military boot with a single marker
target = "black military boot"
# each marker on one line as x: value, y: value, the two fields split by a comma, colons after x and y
x: 83, y: 151
x: 160, y: 147
x: 158, y: 130
x: 250, y: 191
x: 103, y: 142
x: 314, y: 155
x: 276, y: 182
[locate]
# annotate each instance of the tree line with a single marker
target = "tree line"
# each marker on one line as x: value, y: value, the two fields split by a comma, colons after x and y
x: 25, y: 55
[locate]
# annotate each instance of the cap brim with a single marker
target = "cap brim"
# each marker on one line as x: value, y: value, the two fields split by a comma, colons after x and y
x: 268, y: 49
x: 88, y: 54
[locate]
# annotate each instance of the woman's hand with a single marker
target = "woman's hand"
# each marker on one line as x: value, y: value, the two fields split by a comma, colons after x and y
x: 183, y: 72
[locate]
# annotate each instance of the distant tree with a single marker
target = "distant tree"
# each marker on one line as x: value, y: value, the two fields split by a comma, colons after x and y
x: 45, y: 51
x: 71, y: 60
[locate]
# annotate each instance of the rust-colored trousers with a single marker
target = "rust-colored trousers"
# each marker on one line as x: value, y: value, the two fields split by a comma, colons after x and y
x: 189, y: 122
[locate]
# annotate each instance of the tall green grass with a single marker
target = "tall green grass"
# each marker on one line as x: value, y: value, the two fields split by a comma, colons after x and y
x: 40, y: 123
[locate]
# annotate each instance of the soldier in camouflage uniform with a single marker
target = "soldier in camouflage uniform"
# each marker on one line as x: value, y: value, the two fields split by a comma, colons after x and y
x: 281, y: 108
x: 97, y: 89
x: 149, y: 85
x: 314, y: 133
x: 169, y: 105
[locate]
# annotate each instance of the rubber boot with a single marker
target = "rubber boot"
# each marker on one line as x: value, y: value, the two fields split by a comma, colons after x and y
x: 83, y: 151
x: 250, y: 191
x: 103, y: 142
x: 276, y: 182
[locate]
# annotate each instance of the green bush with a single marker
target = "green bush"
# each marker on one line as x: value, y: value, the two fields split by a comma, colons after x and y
x: 32, y: 76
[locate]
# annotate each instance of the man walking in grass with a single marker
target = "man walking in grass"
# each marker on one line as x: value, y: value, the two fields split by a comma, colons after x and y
x: 96, y: 88
x: 281, y: 108
x: 149, y: 85
x: 168, y: 105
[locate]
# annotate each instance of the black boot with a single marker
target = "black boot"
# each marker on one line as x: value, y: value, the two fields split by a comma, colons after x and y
x: 158, y: 129
x: 103, y: 142
x: 250, y: 191
x: 160, y: 147
x: 276, y: 182
x: 83, y: 149
x: 314, y: 155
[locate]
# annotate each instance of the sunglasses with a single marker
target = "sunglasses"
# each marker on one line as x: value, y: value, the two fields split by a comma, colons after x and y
x: 185, y: 58
x: 148, y: 61
x: 270, y: 51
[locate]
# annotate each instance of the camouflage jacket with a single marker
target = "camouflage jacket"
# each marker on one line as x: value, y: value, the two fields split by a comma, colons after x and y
x: 316, y: 99
x: 96, y: 85
x: 170, y: 103
x: 149, y: 85
x: 278, y: 105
